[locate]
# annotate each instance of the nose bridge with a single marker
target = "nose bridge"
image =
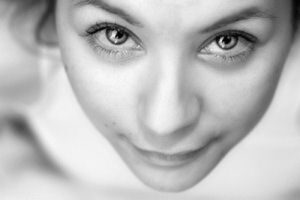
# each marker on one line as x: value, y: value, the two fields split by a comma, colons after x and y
x: 165, y: 101
x: 169, y: 107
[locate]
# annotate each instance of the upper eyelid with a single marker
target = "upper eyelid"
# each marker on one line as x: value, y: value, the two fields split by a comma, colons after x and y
x: 247, y: 36
x: 101, y: 26
x: 111, y: 9
x: 104, y: 25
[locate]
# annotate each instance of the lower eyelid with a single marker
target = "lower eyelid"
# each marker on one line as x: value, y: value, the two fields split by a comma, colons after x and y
x: 226, y: 59
x: 114, y: 55
x: 247, y: 46
x: 131, y: 43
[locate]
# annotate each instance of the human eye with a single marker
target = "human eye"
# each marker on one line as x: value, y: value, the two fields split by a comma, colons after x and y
x: 228, y: 48
x: 114, y: 42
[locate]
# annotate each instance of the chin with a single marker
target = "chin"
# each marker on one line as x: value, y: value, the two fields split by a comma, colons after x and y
x: 171, y: 174
x: 172, y: 180
x: 171, y: 186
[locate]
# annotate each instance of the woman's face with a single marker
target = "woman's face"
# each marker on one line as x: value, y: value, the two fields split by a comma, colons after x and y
x: 174, y: 85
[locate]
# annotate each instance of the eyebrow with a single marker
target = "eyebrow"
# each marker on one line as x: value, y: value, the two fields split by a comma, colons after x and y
x: 249, y: 13
x: 246, y: 14
x: 111, y: 9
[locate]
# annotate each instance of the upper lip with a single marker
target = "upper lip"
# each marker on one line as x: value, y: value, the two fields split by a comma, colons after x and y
x: 175, y: 151
x: 169, y: 154
x: 170, y: 159
x: 175, y: 154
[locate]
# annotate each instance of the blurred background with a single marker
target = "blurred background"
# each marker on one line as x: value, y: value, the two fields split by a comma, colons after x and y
x: 19, y: 76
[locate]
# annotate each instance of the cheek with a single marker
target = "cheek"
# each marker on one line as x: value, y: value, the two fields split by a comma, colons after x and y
x: 108, y: 93
x: 107, y: 98
x: 238, y: 102
x: 239, y: 99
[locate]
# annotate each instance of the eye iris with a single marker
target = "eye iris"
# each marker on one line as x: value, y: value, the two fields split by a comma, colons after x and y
x: 227, y: 42
x: 115, y: 36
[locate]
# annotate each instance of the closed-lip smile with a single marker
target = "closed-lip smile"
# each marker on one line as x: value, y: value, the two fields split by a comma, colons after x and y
x: 162, y: 159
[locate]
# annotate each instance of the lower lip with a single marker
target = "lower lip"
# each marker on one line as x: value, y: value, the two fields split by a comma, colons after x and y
x: 169, y: 160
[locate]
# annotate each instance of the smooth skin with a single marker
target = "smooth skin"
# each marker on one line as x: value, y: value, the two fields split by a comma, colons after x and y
x: 174, y: 85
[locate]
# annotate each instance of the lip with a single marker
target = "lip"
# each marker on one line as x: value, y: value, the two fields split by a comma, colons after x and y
x: 161, y: 159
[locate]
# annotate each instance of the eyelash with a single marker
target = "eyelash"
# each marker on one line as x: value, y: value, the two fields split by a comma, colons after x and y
x: 110, y: 53
x: 121, y: 54
x: 251, y: 40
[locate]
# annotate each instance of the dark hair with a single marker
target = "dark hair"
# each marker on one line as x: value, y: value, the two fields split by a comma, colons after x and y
x: 296, y: 17
x: 46, y: 17
x: 40, y: 14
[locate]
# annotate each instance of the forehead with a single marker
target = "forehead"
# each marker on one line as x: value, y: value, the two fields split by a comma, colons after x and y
x: 173, y: 12
x: 154, y: 7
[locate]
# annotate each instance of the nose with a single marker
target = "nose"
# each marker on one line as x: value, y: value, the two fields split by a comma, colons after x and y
x: 170, y: 107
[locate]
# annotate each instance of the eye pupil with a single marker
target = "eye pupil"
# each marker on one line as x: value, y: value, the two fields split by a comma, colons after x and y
x: 227, y: 42
x: 116, y: 36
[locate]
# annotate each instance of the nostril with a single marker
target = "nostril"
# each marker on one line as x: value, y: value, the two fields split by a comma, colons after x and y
x: 170, y: 119
x: 165, y: 130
